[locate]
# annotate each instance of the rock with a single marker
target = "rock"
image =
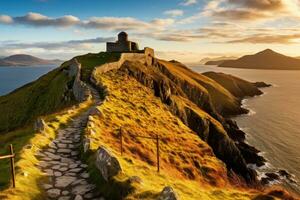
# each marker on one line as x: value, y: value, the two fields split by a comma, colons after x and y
x: 135, y: 179
x: 65, y: 192
x: 82, y: 189
x: 64, y: 181
x: 76, y: 170
x: 86, y: 144
x: 62, y: 145
x: 250, y: 154
x: 168, y: 194
x: 63, y: 169
x: 40, y: 125
x: 78, y: 197
x: 96, y: 111
x: 272, y: 176
x: 53, y: 193
x: 64, y: 198
x: 107, y: 163
x: 47, y: 186
x: 49, y: 172
x: 57, y: 174
x: 261, y: 84
x: 64, y: 151
x: 85, y: 175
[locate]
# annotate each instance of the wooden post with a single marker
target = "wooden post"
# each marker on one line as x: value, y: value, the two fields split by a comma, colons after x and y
x: 157, y: 152
x: 121, y: 141
x: 12, y: 165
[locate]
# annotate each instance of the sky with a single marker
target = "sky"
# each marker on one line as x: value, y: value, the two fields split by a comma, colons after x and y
x: 184, y: 30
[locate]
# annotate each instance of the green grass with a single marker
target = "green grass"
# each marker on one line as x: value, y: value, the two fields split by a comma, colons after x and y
x: 90, y: 61
x: 18, y: 139
x: 40, y: 97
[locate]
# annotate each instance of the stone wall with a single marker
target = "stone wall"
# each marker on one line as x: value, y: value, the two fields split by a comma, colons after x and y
x: 146, y: 58
x: 80, y: 90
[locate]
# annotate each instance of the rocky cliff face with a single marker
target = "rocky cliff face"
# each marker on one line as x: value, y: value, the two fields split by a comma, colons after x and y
x: 189, y: 96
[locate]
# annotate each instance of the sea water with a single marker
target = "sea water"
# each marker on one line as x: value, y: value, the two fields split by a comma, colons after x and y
x: 273, y: 125
x: 14, y: 77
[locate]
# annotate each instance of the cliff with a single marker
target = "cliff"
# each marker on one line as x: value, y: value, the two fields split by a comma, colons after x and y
x: 236, y: 86
x: 266, y: 59
x: 202, y: 153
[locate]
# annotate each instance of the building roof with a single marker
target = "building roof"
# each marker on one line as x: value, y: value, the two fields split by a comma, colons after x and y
x: 123, y: 33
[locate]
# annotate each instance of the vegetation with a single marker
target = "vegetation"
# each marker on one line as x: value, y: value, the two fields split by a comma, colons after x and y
x: 187, y: 163
x: 29, y: 176
x: 90, y: 61
x: 40, y: 97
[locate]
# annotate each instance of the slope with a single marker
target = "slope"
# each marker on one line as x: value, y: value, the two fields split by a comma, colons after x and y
x: 266, y: 59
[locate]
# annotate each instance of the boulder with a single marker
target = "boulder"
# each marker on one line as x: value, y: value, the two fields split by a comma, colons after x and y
x: 96, y: 112
x: 86, y: 144
x: 107, y: 163
x: 168, y: 194
x: 40, y: 125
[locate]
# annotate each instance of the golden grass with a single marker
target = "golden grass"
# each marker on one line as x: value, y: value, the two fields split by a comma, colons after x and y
x: 187, y: 163
x: 222, y: 99
x: 29, y: 176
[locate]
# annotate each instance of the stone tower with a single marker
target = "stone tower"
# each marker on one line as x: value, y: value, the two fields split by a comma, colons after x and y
x: 122, y: 45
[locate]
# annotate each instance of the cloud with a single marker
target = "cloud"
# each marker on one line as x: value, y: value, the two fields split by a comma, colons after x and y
x: 174, y: 13
x: 5, y: 19
x: 247, y: 10
x: 267, y: 39
x: 36, y: 19
x: 102, y: 23
x: 259, y: 4
x: 251, y: 10
x: 71, y: 44
x: 240, y: 15
x: 188, y: 2
x: 124, y: 23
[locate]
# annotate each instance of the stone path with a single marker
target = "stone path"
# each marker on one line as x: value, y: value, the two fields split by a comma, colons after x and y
x: 68, y: 176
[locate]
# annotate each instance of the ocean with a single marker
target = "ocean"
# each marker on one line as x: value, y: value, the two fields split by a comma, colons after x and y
x: 273, y: 124
x: 14, y: 77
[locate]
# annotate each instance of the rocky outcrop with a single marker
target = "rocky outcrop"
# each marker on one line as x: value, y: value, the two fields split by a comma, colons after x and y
x: 236, y: 86
x: 80, y: 89
x: 168, y: 194
x: 262, y: 84
x: 40, y: 125
x: 107, y: 163
x: 169, y: 88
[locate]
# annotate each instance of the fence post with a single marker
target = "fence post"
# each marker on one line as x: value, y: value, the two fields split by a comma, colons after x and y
x: 12, y: 164
x: 121, y: 141
x: 157, y: 152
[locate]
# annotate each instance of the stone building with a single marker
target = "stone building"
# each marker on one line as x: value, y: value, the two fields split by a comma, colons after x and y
x: 122, y: 45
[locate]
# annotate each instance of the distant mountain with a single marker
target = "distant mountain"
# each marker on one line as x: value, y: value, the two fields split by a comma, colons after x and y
x: 216, y: 62
x: 222, y: 58
x: 26, y: 60
x: 267, y: 59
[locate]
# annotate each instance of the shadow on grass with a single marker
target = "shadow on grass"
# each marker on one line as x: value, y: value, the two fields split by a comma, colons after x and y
x: 18, y: 138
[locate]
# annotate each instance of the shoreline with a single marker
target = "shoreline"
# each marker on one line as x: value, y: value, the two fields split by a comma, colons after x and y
x: 266, y: 173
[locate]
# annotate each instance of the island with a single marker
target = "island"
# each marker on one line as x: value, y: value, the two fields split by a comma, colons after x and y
x: 26, y: 60
x: 267, y: 59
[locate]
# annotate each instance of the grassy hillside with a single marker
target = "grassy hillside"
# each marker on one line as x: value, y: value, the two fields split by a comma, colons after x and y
x: 222, y: 99
x: 91, y: 60
x: 40, y: 97
x: 236, y: 86
x: 187, y: 163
